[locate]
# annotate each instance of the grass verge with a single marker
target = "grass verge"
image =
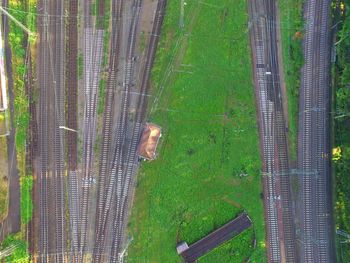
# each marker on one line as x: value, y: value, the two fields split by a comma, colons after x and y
x: 3, y: 179
x: 209, y: 141
x: 292, y: 25
x: 106, y: 40
x: 26, y: 199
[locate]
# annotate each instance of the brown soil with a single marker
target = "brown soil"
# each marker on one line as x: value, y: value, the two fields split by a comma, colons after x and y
x: 232, y: 202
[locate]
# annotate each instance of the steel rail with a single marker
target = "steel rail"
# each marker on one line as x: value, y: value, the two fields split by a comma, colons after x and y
x: 121, y: 215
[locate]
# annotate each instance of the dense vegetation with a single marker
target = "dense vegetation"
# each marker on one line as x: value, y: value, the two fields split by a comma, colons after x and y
x: 17, y: 41
x: 342, y: 134
x: 208, y: 169
x: 24, y: 12
x: 20, y: 254
x: 231, y: 250
x: 19, y: 46
x: 292, y: 24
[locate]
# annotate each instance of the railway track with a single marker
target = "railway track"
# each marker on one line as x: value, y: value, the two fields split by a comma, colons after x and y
x: 71, y: 120
x: 43, y: 136
x: 122, y: 161
x: 122, y: 203
x: 316, y: 226
x: 115, y: 190
x: 116, y: 176
x: 272, y: 127
x: 72, y: 84
x: 52, y: 237
x: 117, y: 11
x: 93, y: 48
x: 58, y: 147
x: 284, y: 184
x: 116, y: 167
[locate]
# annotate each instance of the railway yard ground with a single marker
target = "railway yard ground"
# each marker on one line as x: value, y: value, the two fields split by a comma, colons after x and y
x: 208, y: 169
x: 254, y: 121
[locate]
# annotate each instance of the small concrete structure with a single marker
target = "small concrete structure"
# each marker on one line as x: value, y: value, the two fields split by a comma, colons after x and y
x: 149, y: 141
x: 181, y: 247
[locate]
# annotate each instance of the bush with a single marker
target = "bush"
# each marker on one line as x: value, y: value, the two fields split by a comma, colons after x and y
x: 20, y: 254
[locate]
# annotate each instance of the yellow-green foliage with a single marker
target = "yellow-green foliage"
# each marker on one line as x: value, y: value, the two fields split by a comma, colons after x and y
x: 20, y: 254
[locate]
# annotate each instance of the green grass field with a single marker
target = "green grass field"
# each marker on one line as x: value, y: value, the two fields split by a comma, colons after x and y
x: 210, y: 138
x: 291, y: 32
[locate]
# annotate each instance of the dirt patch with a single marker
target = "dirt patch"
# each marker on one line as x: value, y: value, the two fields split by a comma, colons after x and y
x: 147, y: 15
x: 235, y: 182
x: 231, y: 202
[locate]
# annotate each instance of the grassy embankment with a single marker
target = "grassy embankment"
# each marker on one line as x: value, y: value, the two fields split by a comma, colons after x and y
x: 103, y: 23
x: 341, y: 162
x: 210, y: 138
x: 21, y: 118
x: 292, y: 24
x: 3, y: 179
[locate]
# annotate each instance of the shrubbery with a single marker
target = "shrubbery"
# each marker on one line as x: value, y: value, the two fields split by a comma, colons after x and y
x: 20, y: 254
x: 342, y: 135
